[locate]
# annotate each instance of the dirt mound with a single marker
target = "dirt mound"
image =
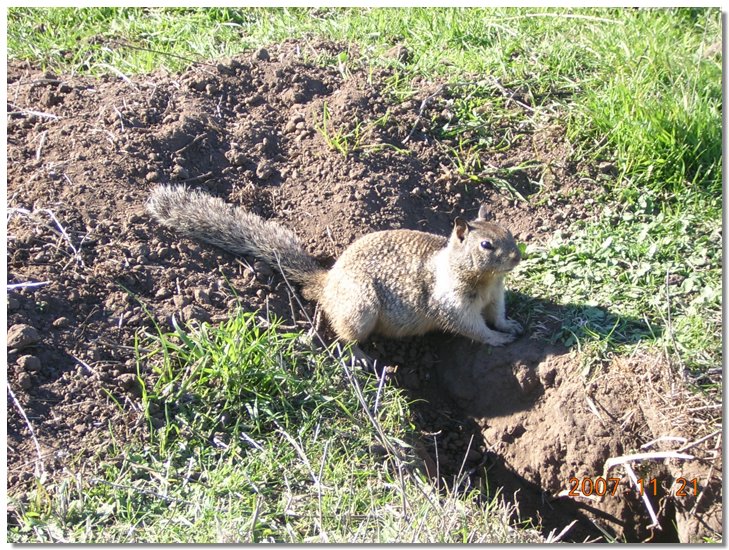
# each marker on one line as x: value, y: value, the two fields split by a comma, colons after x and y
x: 329, y: 153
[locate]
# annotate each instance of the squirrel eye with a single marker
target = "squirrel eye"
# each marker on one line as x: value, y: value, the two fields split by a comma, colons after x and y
x: 486, y: 245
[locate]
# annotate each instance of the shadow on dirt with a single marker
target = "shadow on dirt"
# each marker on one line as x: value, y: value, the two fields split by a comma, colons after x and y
x: 513, y: 417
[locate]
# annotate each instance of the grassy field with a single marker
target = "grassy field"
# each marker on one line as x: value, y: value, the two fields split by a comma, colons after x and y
x: 640, y: 88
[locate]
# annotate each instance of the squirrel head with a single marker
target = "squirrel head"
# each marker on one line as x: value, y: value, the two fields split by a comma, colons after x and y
x: 482, y: 247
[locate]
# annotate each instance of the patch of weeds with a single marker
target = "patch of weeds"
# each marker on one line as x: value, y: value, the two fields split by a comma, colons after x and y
x: 469, y: 164
x: 480, y: 119
x: 399, y: 87
x: 351, y: 139
x: 660, y: 268
x: 483, y: 115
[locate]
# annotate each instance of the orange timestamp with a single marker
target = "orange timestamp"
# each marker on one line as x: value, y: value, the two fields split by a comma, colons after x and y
x: 601, y: 486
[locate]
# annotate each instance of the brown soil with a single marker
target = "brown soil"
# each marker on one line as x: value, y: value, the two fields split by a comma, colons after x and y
x: 82, y: 156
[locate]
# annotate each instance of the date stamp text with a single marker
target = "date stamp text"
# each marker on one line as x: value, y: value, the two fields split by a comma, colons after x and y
x: 601, y: 486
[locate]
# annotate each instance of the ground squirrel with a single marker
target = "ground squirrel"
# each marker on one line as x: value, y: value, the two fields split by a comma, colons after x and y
x: 394, y: 283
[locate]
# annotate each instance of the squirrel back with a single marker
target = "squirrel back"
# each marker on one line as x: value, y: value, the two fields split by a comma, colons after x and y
x: 210, y: 219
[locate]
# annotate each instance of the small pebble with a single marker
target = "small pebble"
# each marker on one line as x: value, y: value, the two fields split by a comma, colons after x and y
x: 201, y: 296
x: 29, y: 363
x: 262, y: 269
x: 262, y: 55
x: 25, y: 381
x: 180, y: 172
x: 62, y: 322
x: 264, y: 170
x: 191, y: 312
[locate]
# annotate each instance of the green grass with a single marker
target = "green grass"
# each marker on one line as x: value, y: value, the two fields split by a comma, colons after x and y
x: 255, y: 437
x: 639, y: 88
x: 623, y: 263
x: 353, y: 137
x: 635, y: 79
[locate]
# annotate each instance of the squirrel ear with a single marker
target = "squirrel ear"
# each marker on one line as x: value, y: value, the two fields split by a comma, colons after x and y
x: 483, y: 212
x: 460, y: 229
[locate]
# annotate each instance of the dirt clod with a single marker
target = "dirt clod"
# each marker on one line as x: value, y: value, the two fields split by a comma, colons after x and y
x: 21, y: 336
x: 29, y: 363
x: 262, y: 54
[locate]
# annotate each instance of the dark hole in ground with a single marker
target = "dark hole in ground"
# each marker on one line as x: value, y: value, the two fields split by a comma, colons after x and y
x: 513, y: 418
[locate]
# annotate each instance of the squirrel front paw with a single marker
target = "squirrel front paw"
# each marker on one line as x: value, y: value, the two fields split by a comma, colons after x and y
x: 510, y: 326
x: 497, y: 339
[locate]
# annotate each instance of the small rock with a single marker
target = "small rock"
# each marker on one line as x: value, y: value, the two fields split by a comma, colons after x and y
x: 201, y: 296
x: 198, y: 84
x: 527, y: 379
x: 292, y: 96
x: 141, y: 250
x: 224, y: 69
x: 290, y: 126
x: 21, y: 336
x: 25, y: 381
x: 191, y: 312
x: 13, y: 304
x: 548, y: 375
x: 127, y: 380
x: 62, y: 322
x: 236, y: 158
x: 180, y: 301
x: 607, y: 167
x: 152, y: 176
x: 180, y: 172
x: 264, y: 170
x: 262, y: 269
x: 262, y: 54
x: 49, y: 99
x: 254, y: 100
x: 399, y: 52
x: 29, y: 363
x: 111, y: 302
x: 163, y: 293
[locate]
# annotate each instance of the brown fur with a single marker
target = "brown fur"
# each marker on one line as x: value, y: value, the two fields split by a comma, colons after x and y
x: 395, y: 283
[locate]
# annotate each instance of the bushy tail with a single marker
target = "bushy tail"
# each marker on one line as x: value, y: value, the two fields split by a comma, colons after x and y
x: 210, y: 219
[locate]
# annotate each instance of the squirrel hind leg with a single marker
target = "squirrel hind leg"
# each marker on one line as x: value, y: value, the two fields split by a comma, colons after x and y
x: 352, y: 322
x: 352, y: 308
